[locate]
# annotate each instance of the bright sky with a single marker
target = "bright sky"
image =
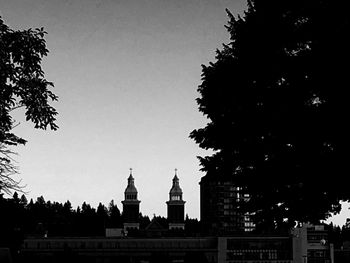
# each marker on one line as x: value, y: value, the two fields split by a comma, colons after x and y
x: 126, y: 73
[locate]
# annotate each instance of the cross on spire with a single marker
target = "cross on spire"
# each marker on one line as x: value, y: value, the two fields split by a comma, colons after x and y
x: 130, y: 171
x: 175, y: 171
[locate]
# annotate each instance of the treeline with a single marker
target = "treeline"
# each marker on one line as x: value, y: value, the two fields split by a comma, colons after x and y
x: 46, y: 218
x: 20, y: 218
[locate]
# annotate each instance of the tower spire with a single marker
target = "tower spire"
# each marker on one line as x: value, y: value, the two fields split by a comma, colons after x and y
x: 131, y: 204
x: 176, y: 206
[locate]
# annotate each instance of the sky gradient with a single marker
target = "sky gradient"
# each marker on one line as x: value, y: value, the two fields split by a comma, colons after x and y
x: 126, y: 73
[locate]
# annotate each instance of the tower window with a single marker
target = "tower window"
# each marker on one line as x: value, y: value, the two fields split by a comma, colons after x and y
x: 175, y: 197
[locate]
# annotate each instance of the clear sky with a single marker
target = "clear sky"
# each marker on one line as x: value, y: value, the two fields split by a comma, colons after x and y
x: 126, y: 73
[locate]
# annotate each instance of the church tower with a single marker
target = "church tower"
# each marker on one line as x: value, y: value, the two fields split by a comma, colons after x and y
x: 176, y: 206
x: 131, y: 206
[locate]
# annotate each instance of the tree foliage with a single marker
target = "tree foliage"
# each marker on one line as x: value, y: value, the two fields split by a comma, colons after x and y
x: 276, y: 104
x: 22, y: 85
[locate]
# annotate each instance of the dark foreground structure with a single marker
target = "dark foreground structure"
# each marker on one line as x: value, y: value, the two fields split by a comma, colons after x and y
x: 308, y: 244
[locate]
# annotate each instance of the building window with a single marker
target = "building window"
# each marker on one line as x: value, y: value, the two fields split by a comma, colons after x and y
x: 175, y: 197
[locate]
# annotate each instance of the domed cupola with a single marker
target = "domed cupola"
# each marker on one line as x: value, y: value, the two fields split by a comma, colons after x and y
x: 175, y: 193
x: 130, y: 192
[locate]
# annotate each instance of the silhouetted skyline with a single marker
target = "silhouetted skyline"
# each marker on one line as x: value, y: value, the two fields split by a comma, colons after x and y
x: 126, y: 74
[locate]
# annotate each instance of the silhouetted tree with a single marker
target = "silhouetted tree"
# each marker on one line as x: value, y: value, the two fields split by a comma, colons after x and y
x: 114, y: 215
x: 15, y: 198
x: 102, y: 210
x: 23, y: 200
x: 192, y: 226
x: 22, y: 84
x: 335, y: 236
x: 67, y: 207
x: 12, y: 221
x: 102, y: 218
x: 346, y: 230
x: 163, y: 221
x: 144, y: 221
x: 276, y: 105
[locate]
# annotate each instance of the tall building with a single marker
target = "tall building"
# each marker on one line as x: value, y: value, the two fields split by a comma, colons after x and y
x: 218, y: 207
x: 176, y: 206
x: 131, y: 206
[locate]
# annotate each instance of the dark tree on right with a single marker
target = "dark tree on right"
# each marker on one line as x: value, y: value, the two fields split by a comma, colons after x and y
x: 276, y: 102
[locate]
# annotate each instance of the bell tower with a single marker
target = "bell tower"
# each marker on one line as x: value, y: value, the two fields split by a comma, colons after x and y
x: 131, y: 206
x: 176, y: 206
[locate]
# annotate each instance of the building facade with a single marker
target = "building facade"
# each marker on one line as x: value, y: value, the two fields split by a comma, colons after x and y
x: 308, y: 244
x: 121, y: 250
x: 218, y: 207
